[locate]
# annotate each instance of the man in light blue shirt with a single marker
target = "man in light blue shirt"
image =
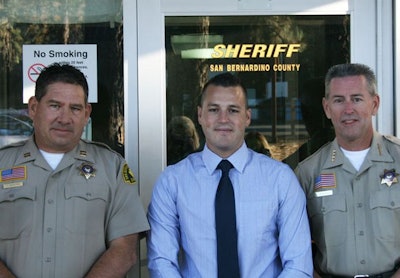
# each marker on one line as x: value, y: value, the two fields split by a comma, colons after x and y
x: 271, y: 219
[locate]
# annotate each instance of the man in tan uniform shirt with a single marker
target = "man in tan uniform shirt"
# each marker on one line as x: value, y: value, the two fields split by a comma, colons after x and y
x: 69, y: 208
x: 352, y: 184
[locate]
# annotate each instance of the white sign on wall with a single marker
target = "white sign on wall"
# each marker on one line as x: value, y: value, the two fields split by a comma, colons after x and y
x: 38, y: 56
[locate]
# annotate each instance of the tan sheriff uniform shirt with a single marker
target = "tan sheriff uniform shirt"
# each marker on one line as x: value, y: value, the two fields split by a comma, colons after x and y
x: 58, y: 223
x: 354, y: 216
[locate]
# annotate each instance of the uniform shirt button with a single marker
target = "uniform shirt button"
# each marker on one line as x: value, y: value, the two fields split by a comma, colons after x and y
x: 323, y: 209
x: 360, y: 205
x: 392, y: 203
x: 361, y: 233
x: 49, y: 230
x: 362, y: 262
x: 48, y: 260
x: 50, y: 201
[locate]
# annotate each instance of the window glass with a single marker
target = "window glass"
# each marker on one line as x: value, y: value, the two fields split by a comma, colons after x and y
x: 281, y: 60
x: 48, y: 22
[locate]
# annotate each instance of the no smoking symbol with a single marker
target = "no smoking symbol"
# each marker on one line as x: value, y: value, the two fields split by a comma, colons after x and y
x: 34, y: 71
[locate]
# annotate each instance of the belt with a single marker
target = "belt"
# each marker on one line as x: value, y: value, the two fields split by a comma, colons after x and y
x: 387, y: 274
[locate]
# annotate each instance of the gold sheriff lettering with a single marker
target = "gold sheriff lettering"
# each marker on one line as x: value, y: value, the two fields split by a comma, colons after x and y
x: 254, y: 50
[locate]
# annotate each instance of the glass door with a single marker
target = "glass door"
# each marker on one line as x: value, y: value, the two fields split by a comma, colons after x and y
x: 281, y: 49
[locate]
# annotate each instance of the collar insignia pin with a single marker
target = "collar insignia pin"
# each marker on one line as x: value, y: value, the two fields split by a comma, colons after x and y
x: 87, y: 170
x: 389, y: 177
x: 333, y: 157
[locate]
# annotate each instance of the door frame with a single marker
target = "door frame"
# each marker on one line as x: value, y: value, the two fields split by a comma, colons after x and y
x: 145, y: 93
x: 144, y: 65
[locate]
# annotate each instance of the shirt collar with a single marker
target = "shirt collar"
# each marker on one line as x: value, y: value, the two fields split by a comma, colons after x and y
x: 377, y: 152
x: 238, y: 158
x: 30, y: 152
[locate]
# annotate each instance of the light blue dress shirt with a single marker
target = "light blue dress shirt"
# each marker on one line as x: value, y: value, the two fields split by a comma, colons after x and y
x: 273, y: 230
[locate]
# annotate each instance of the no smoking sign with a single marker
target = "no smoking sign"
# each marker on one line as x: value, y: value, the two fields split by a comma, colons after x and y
x: 34, y: 71
x: 36, y: 57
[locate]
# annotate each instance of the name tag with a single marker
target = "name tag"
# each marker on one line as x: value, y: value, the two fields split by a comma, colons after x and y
x: 323, y: 193
x: 13, y: 185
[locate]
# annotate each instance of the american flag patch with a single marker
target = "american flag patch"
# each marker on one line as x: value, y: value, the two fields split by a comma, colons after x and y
x: 15, y: 173
x: 325, y: 181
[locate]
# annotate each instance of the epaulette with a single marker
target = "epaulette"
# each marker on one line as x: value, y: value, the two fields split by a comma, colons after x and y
x: 100, y: 144
x: 13, y: 145
x: 392, y: 139
x: 317, y: 152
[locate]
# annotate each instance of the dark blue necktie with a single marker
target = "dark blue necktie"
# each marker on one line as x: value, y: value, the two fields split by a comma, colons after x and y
x: 225, y: 224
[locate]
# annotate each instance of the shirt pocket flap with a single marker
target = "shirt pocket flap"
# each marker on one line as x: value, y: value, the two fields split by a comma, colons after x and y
x: 327, y: 204
x: 385, y: 199
x: 86, y: 192
x: 20, y: 193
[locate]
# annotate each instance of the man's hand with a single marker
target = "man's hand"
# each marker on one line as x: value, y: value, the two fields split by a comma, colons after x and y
x: 396, y: 274
x: 5, y: 272
x: 117, y: 259
x: 316, y: 275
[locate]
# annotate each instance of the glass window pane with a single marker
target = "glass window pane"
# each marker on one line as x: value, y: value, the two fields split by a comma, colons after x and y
x: 75, y: 22
x: 282, y: 61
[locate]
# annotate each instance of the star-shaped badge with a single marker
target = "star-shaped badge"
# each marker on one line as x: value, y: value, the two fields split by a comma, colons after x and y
x: 87, y: 170
x: 389, y: 177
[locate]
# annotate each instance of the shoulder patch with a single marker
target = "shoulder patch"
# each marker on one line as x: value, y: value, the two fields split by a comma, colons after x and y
x: 127, y: 174
x: 392, y: 139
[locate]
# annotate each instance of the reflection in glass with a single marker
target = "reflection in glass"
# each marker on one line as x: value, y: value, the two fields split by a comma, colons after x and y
x: 277, y: 57
x: 182, y: 139
x: 68, y: 22
x: 15, y: 125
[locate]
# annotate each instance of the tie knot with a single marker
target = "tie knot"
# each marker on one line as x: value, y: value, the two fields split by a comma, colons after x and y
x: 225, y: 166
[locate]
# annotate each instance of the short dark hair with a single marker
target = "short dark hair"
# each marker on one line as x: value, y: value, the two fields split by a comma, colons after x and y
x: 225, y: 79
x: 344, y: 70
x: 58, y: 72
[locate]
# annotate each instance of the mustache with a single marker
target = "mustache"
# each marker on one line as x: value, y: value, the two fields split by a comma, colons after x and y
x: 65, y: 127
